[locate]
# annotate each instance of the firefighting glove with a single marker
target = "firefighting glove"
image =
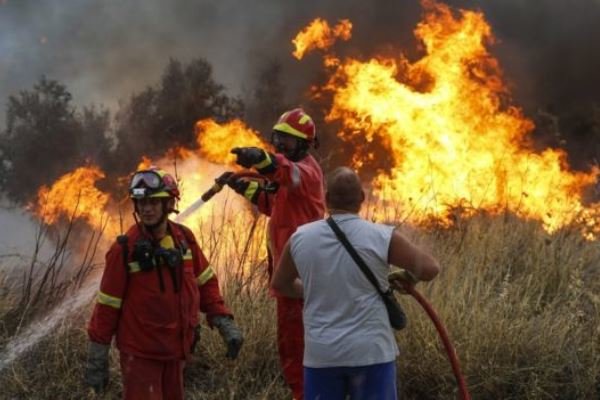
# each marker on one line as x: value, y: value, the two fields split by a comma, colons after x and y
x: 96, y: 370
x: 239, y: 185
x: 230, y: 333
x: 398, y: 279
x: 249, y: 157
x: 249, y: 189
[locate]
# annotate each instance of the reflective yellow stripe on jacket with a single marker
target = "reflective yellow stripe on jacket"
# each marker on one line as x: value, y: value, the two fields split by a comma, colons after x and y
x: 205, y: 275
x: 109, y: 300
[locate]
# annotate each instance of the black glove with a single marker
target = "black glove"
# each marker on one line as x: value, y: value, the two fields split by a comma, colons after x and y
x: 239, y: 185
x: 96, y: 370
x: 248, y: 157
x: 231, y: 335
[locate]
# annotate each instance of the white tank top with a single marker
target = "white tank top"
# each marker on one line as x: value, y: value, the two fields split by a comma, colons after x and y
x: 345, y: 320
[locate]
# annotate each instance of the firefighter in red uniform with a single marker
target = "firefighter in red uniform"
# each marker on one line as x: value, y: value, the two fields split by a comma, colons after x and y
x: 292, y: 197
x: 155, y: 283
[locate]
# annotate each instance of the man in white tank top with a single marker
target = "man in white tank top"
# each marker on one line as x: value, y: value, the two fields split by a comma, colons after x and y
x: 350, y: 347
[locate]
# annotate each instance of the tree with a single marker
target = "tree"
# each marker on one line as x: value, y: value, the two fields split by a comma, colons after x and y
x: 45, y: 137
x: 40, y: 141
x: 95, y: 146
x: 268, y: 100
x: 162, y: 117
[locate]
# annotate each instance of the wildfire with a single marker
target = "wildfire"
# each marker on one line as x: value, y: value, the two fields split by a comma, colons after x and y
x: 216, y: 141
x: 74, y: 195
x: 318, y: 35
x: 144, y: 164
x: 446, y: 123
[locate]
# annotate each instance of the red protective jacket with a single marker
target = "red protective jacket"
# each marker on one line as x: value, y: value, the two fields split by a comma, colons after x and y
x: 300, y: 199
x: 149, y: 323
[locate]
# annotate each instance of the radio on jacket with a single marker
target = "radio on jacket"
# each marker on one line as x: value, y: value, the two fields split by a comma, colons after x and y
x: 149, y: 256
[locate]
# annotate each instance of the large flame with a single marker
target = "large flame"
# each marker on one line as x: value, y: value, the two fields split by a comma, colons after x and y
x: 319, y: 35
x: 74, y: 195
x: 216, y: 141
x: 446, y: 124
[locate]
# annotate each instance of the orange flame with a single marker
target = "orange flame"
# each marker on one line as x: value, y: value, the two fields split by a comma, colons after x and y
x: 447, y: 125
x: 318, y: 35
x: 74, y: 194
x: 144, y: 164
x: 216, y: 141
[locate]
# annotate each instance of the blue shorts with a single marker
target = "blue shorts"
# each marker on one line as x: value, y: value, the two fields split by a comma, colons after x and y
x: 371, y: 382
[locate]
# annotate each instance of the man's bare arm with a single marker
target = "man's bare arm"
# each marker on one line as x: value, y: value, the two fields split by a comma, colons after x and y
x: 285, y: 279
x: 402, y: 253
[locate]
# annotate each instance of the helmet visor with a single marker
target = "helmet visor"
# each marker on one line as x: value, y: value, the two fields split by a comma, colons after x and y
x: 149, y: 179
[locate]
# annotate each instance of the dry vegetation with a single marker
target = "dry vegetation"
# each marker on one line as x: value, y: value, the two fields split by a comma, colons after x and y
x: 522, y: 307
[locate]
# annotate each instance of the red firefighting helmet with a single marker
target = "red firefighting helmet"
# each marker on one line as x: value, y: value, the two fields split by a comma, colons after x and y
x: 297, y: 123
x: 153, y: 182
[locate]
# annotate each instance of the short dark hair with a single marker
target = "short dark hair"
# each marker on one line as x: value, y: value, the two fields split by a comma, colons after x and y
x: 344, y: 190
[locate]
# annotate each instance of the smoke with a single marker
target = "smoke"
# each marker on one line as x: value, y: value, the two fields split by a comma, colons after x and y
x: 18, y: 234
x: 104, y: 51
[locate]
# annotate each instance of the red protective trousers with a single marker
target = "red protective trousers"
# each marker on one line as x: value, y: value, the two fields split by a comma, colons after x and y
x: 145, y: 379
x: 290, y: 341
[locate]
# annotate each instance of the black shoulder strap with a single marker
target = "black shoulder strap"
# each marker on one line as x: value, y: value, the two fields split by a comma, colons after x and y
x: 355, y: 256
x: 123, y: 240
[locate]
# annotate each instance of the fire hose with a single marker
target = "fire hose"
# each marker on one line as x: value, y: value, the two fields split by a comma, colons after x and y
x: 219, y: 184
x: 460, y: 380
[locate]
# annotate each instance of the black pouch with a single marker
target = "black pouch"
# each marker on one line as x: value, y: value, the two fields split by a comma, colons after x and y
x: 395, y: 313
x: 171, y: 257
x: 143, y: 253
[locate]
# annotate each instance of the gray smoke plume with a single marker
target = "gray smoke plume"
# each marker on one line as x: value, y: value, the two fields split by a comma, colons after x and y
x: 18, y: 233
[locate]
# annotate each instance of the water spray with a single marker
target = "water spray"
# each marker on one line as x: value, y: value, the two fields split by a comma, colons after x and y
x: 40, y: 329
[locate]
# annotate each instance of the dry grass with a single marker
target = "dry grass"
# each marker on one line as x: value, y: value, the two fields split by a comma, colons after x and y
x: 522, y: 308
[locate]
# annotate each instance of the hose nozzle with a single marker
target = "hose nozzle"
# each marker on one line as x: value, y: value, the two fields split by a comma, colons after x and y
x: 220, y: 183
